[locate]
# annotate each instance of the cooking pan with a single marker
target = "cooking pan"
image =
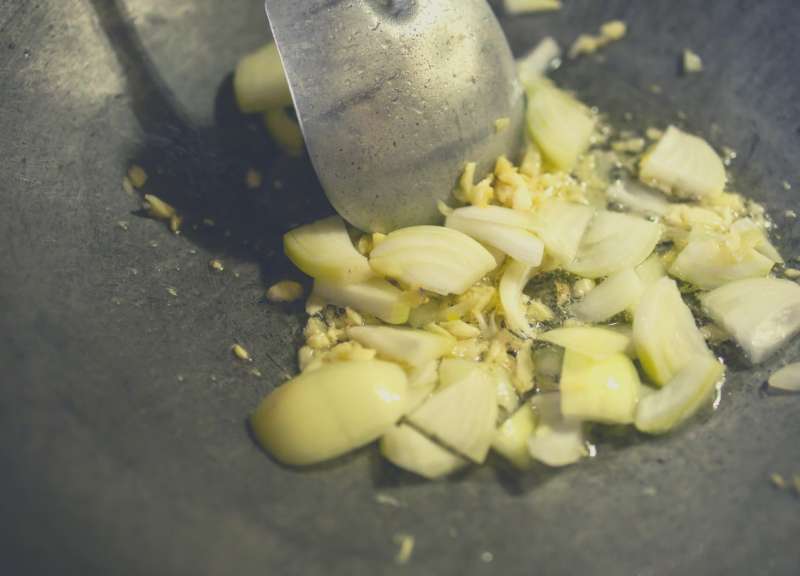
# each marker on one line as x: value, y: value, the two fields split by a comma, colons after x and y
x: 122, y: 412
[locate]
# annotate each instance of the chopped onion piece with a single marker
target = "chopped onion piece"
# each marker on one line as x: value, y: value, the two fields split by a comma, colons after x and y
x: 452, y: 370
x: 409, y: 449
x: 461, y: 414
x: 259, y: 82
x: 681, y: 397
x: 442, y: 260
x: 507, y: 398
x: 683, y: 165
x: 612, y: 242
x: 329, y: 411
x: 505, y: 229
x: 637, y: 198
x: 512, y: 283
x: 285, y: 131
x: 560, y: 125
x: 407, y: 345
x: 617, y: 293
x: 664, y: 332
x: 786, y: 378
x: 711, y: 263
x: 556, y: 441
x: 497, y: 215
x: 375, y: 296
x: 756, y: 237
x: 760, y: 313
x: 517, y: 243
x: 561, y: 226
x: 591, y: 341
x: 512, y: 437
x: 324, y: 250
x: 651, y: 270
x: 422, y: 381
x: 538, y: 61
x: 599, y: 390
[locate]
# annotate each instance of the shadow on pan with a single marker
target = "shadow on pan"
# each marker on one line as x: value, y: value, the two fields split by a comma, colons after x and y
x: 201, y: 170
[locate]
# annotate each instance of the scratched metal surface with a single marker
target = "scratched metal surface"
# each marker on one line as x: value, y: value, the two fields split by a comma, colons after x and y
x: 122, y: 431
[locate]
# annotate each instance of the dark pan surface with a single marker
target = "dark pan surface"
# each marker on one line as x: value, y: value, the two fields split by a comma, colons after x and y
x: 122, y: 414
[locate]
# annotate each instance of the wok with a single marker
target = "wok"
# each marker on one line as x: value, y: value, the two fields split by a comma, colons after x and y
x: 122, y: 413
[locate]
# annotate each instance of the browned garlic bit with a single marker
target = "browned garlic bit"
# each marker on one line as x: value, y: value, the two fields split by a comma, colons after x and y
x: 252, y: 178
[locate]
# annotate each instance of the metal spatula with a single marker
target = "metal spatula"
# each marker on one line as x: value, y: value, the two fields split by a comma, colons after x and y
x: 395, y: 96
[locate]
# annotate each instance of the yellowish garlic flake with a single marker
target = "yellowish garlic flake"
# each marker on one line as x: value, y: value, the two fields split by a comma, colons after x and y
x: 157, y: 208
x: 589, y: 44
x: 502, y: 124
x: 692, y: 63
x: 285, y: 291
x: 137, y: 176
x: 241, y: 353
x: 530, y: 6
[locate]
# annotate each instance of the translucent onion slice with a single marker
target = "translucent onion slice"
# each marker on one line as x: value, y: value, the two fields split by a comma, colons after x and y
x: 406, y: 345
x: 711, y: 263
x: 786, y: 378
x: 409, y: 449
x: 329, y: 411
x: 561, y: 226
x: 435, y: 258
x: 755, y: 236
x: 617, y: 293
x: 515, y: 277
x: 517, y: 243
x: 461, y: 414
x: 637, y: 198
x: 595, y: 342
x: 681, y: 397
x: 375, y: 296
x: 683, y: 165
x: 324, y: 250
x: 556, y: 441
x: 512, y: 437
x: 452, y: 370
x: 422, y: 381
x: 559, y: 124
x: 507, y: 398
x: 498, y: 215
x: 664, y: 332
x: 760, y: 313
x: 536, y: 63
x: 612, y: 242
x: 604, y: 390
x: 651, y: 270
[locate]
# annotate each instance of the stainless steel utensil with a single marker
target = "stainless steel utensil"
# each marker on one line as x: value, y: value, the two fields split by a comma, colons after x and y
x: 394, y: 97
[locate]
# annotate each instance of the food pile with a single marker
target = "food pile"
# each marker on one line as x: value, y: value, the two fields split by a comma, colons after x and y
x: 585, y: 283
